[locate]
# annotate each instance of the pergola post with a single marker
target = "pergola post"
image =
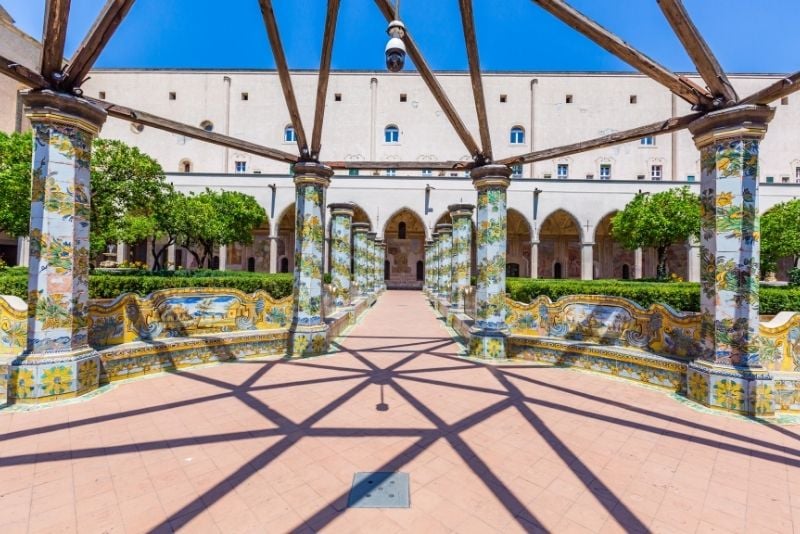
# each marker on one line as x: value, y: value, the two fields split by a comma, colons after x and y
x: 372, y: 282
x: 488, y: 337
x: 381, y: 264
x: 308, y: 334
x: 428, y: 262
x: 360, y: 251
x: 435, y: 257
x: 341, y: 223
x: 729, y: 374
x: 58, y: 362
x: 445, y: 260
x: 462, y: 248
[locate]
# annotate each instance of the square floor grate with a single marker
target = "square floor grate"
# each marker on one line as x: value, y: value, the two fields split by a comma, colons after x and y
x: 383, y: 489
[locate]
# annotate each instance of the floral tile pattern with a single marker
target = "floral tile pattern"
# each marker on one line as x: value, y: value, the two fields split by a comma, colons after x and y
x: 445, y: 282
x: 341, y: 221
x: 491, y: 258
x: 461, y: 252
x: 361, y: 261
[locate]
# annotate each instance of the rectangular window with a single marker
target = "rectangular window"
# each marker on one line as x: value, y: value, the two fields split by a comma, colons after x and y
x: 427, y: 172
x: 241, y: 167
x: 656, y: 172
x: 453, y: 174
x: 785, y: 179
x: 785, y: 101
x: 403, y: 97
x: 516, y: 170
x: 391, y: 172
x: 640, y: 176
x: 589, y: 176
x: 690, y: 178
x: 797, y: 172
x: 245, y: 96
x: 770, y: 179
x: 633, y: 99
x: 605, y: 171
x: 102, y: 95
x: 568, y: 99
x: 256, y: 171
x: 352, y: 172
x: 503, y: 99
x: 548, y: 176
x: 650, y: 140
x: 337, y: 97
x: 562, y: 171
x: 173, y: 95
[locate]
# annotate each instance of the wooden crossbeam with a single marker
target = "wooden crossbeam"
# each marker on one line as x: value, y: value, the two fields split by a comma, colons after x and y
x: 699, y: 51
x: 662, y: 127
x: 22, y: 74
x: 679, y: 85
x: 54, y: 36
x: 400, y: 165
x: 324, y: 74
x: 433, y: 84
x: 468, y: 23
x: 168, y: 125
x: 95, y: 41
x: 283, y: 73
x: 781, y: 88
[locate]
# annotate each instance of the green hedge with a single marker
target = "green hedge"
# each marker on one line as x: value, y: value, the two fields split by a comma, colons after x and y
x: 108, y: 285
x: 684, y: 296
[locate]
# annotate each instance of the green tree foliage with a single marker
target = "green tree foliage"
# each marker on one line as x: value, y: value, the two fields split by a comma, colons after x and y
x: 15, y: 182
x: 658, y: 221
x: 780, y: 234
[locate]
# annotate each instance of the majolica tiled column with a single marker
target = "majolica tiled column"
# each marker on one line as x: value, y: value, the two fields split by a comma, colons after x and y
x: 488, y: 338
x: 309, y: 333
x: 341, y: 222
x: 372, y: 282
x: 58, y: 362
x: 360, y: 250
x: 435, y: 266
x: 445, y: 260
x: 461, y: 253
x: 382, y: 265
x: 427, y: 283
x: 729, y: 374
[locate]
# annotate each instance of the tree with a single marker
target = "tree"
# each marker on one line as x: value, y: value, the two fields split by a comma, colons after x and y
x: 126, y: 186
x: 15, y: 183
x: 658, y: 221
x: 780, y: 234
x: 215, y: 218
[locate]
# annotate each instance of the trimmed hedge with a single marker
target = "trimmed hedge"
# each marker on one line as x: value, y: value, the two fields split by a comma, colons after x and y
x: 108, y: 285
x: 683, y: 296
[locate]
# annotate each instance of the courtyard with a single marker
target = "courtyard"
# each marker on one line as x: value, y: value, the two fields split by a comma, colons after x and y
x: 272, y: 446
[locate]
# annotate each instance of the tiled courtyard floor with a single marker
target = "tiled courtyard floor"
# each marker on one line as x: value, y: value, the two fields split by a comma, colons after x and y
x: 273, y: 446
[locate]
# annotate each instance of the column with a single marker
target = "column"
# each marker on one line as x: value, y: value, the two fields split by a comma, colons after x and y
x: 693, y: 260
x: 23, y: 250
x: 435, y: 265
x: 445, y: 260
x: 728, y: 373
x: 461, y: 214
x: 308, y: 334
x: 273, y: 254
x: 58, y: 361
x: 487, y: 339
x: 122, y: 252
x: 372, y: 282
x: 534, y: 259
x: 223, y: 257
x: 150, y: 259
x: 341, y: 223
x: 637, y: 264
x: 380, y: 264
x: 171, y: 257
x: 428, y: 261
x: 587, y: 261
x: 361, y: 251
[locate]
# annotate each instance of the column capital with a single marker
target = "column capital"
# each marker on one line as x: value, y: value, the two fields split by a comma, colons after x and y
x: 344, y: 208
x: 360, y: 227
x: 48, y: 106
x: 491, y: 176
x: 444, y: 229
x: 309, y: 172
x: 748, y: 120
x: 372, y: 235
x: 460, y: 210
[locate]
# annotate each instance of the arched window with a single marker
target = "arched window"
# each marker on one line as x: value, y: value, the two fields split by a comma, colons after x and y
x: 207, y: 126
x: 391, y: 134
x: 288, y: 134
x: 284, y: 265
x: 517, y: 135
x: 401, y: 230
x: 185, y: 165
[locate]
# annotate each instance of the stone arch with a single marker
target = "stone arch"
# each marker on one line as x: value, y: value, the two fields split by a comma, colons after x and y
x: 384, y: 228
x: 560, y: 240
x: 610, y: 257
x: 285, y: 231
x: 518, y: 244
x: 402, y: 255
x: 239, y: 256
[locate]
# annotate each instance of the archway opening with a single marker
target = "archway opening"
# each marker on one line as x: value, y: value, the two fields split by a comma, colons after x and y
x: 403, y: 253
x: 611, y: 258
x: 560, y: 246
x: 518, y: 251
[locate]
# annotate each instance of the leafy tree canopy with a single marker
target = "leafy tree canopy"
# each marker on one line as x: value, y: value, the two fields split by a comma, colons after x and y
x: 15, y: 182
x: 780, y: 234
x: 658, y: 221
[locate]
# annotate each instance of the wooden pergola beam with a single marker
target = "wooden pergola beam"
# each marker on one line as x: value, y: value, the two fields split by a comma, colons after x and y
x: 169, y: 125
x: 54, y: 35
x: 781, y: 88
x: 400, y: 165
x: 679, y: 85
x: 662, y: 127
x: 471, y: 39
x: 283, y: 73
x: 95, y: 41
x: 433, y: 84
x: 324, y: 75
x: 22, y: 74
x: 699, y: 51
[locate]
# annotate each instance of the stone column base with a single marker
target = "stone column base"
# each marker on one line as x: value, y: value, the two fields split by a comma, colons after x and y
x: 44, y: 377
x: 745, y: 391
x: 307, y: 341
x: 488, y: 344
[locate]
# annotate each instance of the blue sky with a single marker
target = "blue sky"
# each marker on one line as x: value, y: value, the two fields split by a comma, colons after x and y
x: 512, y: 34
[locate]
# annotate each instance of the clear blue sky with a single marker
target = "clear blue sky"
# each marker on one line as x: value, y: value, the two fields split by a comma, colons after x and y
x: 746, y: 35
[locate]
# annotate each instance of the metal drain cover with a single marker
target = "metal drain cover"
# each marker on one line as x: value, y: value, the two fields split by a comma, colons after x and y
x: 382, y: 489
